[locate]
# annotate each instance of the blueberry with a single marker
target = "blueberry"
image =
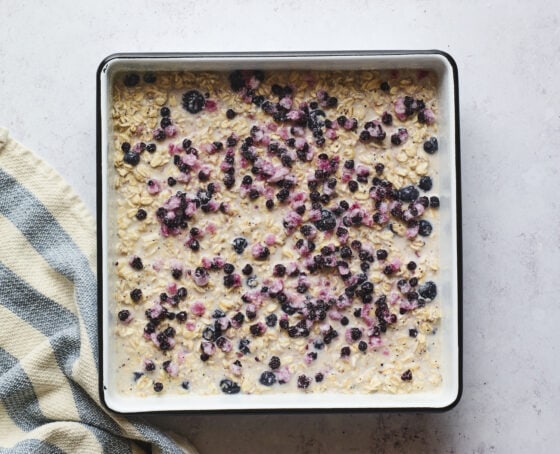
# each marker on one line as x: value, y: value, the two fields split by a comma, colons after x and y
x: 265, y: 253
x: 327, y: 221
x: 408, y: 194
x: 258, y: 100
x: 176, y: 273
x: 165, y: 112
x: 228, y: 180
x: 356, y: 334
x: 125, y: 147
x: 385, y: 86
x: 160, y: 134
x: 271, y: 320
x: 269, y: 204
x: 362, y: 346
x: 239, y: 244
x: 256, y: 329
x: 381, y: 254
x: 229, y: 387
x: 194, y: 245
x: 218, y: 314
x: 267, y: 378
x: 344, y: 352
x: 367, y: 288
x: 247, y: 270
x: 332, y: 102
x: 239, y: 318
x: 411, y: 265
x: 137, y: 263
x: 236, y: 80
x: 425, y: 183
x: 131, y: 80
x: 141, y: 214
x: 169, y: 332
x: 208, y: 334
x: 387, y: 119
x: 149, y: 78
x: 344, y: 321
x: 165, y: 122
x: 229, y: 268
x: 229, y: 280
x: 303, y: 382
x: 230, y: 114
x: 158, y: 387
x: 247, y: 179
x: 136, y: 295
x: 352, y: 185
x: 283, y: 195
x: 274, y: 363
x: 123, y: 315
x: 428, y: 290
x: 131, y: 158
x: 431, y: 146
x: 365, y: 136
x: 193, y: 101
x: 424, y: 228
x: 434, y: 201
x: 413, y: 332
x: 182, y: 316
x: 185, y: 385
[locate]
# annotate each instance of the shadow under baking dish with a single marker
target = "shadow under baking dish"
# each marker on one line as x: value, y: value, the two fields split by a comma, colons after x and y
x: 449, y: 276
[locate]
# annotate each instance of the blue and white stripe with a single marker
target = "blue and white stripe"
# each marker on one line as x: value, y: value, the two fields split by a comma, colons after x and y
x: 42, y: 340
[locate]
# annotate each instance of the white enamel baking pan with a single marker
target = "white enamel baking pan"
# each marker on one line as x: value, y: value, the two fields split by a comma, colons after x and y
x: 449, y: 281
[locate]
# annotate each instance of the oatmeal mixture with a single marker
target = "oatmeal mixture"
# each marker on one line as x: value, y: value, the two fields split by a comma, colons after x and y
x: 276, y: 232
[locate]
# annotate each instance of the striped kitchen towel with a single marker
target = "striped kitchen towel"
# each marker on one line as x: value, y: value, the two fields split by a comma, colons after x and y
x: 49, y: 358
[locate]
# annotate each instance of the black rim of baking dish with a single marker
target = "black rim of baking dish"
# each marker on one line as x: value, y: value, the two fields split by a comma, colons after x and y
x: 303, y: 54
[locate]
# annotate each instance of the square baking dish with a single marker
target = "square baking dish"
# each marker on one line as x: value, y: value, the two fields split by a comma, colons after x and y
x: 450, y: 281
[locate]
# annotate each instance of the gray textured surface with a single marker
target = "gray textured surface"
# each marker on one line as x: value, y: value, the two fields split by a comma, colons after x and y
x: 509, y: 59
